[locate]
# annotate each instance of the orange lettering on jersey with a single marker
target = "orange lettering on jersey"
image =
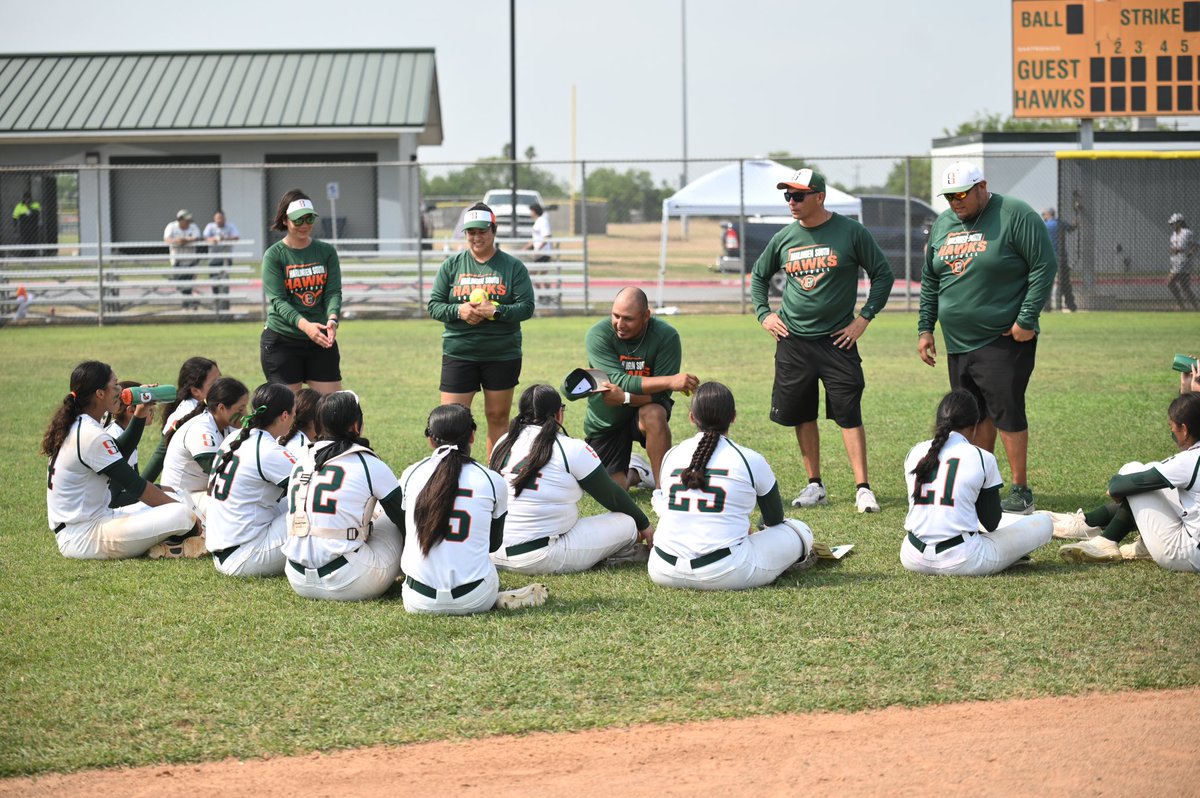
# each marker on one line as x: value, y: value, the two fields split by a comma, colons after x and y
x: 959, y: 249
x: 306, y: 281
x: 809, y: 263
x: 635, y: 366
x: 490, y: 283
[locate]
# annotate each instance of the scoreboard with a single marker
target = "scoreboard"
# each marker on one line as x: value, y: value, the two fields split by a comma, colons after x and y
x: 1087, y: 58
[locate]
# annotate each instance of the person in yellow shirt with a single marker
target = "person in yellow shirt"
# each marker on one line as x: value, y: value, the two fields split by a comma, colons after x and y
x: 27, y: 218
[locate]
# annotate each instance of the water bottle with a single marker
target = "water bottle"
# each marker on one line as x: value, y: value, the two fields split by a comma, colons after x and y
x: 144, y: 394
x: 1183, y: 363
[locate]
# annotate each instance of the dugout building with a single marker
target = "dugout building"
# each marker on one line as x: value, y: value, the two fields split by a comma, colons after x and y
x: 211, y: 111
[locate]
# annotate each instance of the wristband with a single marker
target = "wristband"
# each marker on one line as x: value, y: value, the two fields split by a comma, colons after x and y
x: 627, y: 398
x: 332, y: 323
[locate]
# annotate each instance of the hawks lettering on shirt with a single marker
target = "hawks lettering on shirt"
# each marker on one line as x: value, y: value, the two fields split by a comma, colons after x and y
x: 809, y: 263
x: 635, y: 366
x: 959, y: 249
x: 491, y: 283
x: 306, y: 281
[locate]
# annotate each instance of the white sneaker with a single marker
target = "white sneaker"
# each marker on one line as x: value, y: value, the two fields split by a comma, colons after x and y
x: 533, y: 595
x: 864, y: 500
x: 812, y: 495
x: 1097, y: 549
x: 1135, y: 551
x: 1071, y: 526
x: 639, y: 466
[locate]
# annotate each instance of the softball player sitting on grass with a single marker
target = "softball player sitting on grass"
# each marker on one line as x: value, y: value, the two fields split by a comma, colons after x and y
x: 196, y: 376
x: 953, y: 492
x: 301, y: 435
x: 546, y: 472
x: 84, y: 460
x: 194, y: 442
x: 710, y: 486
x: 115, y: 424
x: 454, y: 516
x: 337, y: 549
x: 1161, y: 500
x: 246, y: 524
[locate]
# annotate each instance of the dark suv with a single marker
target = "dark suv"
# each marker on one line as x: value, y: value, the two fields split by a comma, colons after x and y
x: 882, y: 214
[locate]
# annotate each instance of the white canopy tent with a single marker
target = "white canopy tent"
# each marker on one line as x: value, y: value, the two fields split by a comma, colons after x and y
x: 736, y: 189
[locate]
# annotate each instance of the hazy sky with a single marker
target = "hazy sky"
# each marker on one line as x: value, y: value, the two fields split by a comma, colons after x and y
x: 849, y: 78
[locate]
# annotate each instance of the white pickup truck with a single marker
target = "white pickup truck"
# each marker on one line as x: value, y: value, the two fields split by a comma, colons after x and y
x: 500, y: 201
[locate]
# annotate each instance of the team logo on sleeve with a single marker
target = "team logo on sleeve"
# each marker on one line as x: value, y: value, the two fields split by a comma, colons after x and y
x: 809, y: 263
x: 959, y: 249
x: 110, y: 446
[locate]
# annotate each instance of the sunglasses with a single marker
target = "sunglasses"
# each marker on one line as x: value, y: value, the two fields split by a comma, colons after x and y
x: 309, y: 219
x: 958, y: 196
x: 798, y: 196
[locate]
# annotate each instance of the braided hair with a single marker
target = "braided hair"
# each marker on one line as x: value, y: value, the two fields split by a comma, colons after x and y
x: 87, y: 378
x: 539, y: 407
x: 225, y: 391
x: 958, y: 410
x: 192, y: 376
x: 713, y: 411
x: 448, y: 425
x: 304, y: 416
x: 338, y: 414
x: 269, y: 402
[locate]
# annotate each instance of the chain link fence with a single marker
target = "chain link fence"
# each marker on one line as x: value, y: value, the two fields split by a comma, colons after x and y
x: 86, y: 243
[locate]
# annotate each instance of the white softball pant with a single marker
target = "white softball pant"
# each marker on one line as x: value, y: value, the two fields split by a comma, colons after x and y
x: 369, y: 571
x: 124, y: 533
x: 984, y: 553
x: 262, y: 555
x: 756, y: 561
x: 481, y: 599
x: 1159, y: 517
x: 591, y: 540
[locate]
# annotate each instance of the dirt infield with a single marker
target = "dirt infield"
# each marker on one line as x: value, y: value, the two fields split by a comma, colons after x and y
x: 1118, y: 744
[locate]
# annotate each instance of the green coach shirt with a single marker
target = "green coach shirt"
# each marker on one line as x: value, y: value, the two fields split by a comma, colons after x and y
x: 822, y: 264
x: 507, y: 284
x: 657, y: 353
x: 301, y: 284
x: 982, y: 275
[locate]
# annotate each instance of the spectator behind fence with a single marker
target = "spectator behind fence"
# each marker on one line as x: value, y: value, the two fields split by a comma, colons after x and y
x: 1183, y: 246
x: 27, y: 216
x: 541, y: 234
x: 181, y: 236
x: 1058, y: 229
x: 216, y: 232
x: 303, y: 281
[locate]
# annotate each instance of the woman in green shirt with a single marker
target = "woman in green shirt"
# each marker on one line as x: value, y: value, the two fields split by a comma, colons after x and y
x: 302, y: 278
x: 482, y: 295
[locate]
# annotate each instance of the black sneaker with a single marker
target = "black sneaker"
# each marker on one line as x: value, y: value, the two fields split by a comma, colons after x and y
x: 1019, y: 500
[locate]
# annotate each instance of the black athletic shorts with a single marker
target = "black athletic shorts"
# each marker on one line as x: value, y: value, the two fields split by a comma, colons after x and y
x: 295, y: 360
x: 998, y: 374
x: 800, y: 363
x: 615, y: 445
x: 468, y: 376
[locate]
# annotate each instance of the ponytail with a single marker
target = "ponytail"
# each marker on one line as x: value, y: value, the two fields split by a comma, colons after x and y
x: 269, y: 402
x: 449, y: 428
x: 539, y: 405
x: 957, y: 410
x: 339, y: 414
x: 192, y: 375
x: 87, y: 378
x: 713, y: 410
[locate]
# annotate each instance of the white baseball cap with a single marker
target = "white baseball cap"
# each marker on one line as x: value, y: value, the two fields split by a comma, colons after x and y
x: 1175, y: 218
x: 300, y: 207
x: 960, y: 176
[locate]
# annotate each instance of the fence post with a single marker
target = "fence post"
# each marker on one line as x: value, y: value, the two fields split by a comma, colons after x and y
x: 908, y: 232
x: 420, y: 243
x: 587, y: 308
x: 99, y: 253
x: 742, y: 229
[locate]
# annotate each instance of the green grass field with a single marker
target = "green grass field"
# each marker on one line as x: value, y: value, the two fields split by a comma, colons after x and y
x: 136, y: 662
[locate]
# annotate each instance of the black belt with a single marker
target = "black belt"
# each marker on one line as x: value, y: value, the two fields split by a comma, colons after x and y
x: 221, y: 554
x: 527, y: 546
x: 60, y: 527
x: 324, y: 570
x: 949, y: 543
x: 431, y: 593
x: 699, y: 562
